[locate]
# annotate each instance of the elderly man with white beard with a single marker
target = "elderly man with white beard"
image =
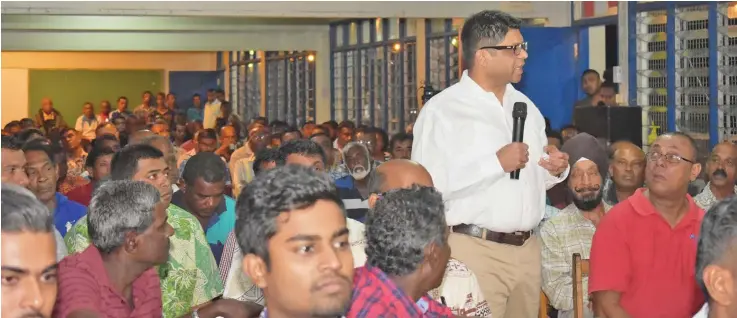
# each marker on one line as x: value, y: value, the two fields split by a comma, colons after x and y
x: 353, y: 189
x: 572, y: 229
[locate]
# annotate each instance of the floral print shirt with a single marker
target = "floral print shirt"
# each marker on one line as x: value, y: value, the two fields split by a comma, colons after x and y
x: 190, y: 277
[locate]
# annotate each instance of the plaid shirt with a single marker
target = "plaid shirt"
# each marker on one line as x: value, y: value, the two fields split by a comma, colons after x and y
x: 375, y: 295
x: 561, y: 236
x: 706, y: 198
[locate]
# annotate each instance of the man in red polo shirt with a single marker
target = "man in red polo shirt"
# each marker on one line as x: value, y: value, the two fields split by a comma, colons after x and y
x: 116, y: 275
x: 644, y: 251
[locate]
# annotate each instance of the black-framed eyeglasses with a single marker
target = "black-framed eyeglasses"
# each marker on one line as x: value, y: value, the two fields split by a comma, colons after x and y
x: 669, y: 158
x: 517, y: 48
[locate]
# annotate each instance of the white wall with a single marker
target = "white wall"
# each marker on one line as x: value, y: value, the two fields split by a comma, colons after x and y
x: 558, y: 12
x: 597, y: 48
x: 15, y: 66
x: 14, y: 94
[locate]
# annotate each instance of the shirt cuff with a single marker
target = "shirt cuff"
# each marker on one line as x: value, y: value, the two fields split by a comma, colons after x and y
x: 552, y: 180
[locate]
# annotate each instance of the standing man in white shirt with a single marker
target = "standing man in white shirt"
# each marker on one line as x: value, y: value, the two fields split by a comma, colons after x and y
x: 463, y: 136
x: 211, y: 111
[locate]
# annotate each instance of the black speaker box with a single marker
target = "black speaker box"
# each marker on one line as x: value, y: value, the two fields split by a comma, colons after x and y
x: 611, y: 123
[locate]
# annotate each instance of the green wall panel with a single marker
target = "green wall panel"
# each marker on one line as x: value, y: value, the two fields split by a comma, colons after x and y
x: 70, y: 89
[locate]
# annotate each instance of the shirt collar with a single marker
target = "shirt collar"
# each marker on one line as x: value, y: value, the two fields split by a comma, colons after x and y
x: 178, y: 199
x: 422, y: 304
x: 707, y: 194
x: 468, y: 83
x: 265, y: 314
x: 642, y: 206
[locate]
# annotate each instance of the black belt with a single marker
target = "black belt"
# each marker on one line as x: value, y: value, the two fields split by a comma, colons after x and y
x: 516, y: 238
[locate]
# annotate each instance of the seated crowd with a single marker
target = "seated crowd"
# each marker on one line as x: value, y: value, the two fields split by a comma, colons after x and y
x: 159, y: 212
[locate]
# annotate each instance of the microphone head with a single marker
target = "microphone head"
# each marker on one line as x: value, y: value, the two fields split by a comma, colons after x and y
x: 600, y: 104
x: 519, y: 110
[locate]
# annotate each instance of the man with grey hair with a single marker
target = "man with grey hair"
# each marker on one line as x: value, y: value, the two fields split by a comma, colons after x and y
x: 463, y: 137
x: 130, y: 236
x: 190, y: 279
x: 29, y: 278
x: 407, y: 251
x: 716, y: 261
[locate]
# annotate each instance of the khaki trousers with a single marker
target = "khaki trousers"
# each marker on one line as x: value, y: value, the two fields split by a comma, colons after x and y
x: 510, y: 276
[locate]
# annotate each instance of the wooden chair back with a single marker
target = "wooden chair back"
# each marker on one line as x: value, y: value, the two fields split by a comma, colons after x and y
x: 580, y: 270
x: 543, y: 306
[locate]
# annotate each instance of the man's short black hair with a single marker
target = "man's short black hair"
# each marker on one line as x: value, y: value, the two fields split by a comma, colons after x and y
x: 280, y: 190
x: 488, y: 27
x: 309, y: 122
x: 96, y: 153
x: 208, y: 133
x: 11, y: 143
x: 206, y: 165
x: 303, y: 147
x: 554, y: 134
x: 263, y: 156
x: 27, y: 121
x: 291, y: 130
x: 319, y: 135
x: 125, y: 163
x: 346, y: 124
x: 333, y: 124
x: 12, y: 124
x: 608, y: 85
x: 195, y: 95
x: 26, y: 134
x: 101, y: 139
x: 590, y: 71
x: 43, y: 146
x: 400, y: 137
x: 383, y: 136
x: 261, y: 120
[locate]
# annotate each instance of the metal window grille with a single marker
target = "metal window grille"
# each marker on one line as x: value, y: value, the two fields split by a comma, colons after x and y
x: 692, y: 74
x: 374, y: 76
x: 441, y: 53
x: 290, y: 87
x: 651, y: 73
x: 338, y: 79
x: 727, y: 72
x: 245, y: 88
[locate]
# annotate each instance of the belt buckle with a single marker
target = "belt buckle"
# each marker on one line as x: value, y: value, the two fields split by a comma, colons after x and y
x: 518, y: 233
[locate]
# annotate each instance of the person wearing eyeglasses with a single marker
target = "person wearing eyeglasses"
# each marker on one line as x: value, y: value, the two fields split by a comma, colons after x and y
x: 241, y: 161
x: 463, y: 136
x: 721, y: 171
x: 643, y: 254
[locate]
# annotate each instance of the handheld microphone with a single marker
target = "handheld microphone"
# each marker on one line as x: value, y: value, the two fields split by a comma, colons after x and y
x: 519, y: 115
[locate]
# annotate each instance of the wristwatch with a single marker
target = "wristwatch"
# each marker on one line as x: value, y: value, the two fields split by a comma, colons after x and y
x: 195, y: 314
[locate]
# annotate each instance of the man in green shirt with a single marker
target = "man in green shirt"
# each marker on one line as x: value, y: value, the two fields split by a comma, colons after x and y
x: 190, y: 278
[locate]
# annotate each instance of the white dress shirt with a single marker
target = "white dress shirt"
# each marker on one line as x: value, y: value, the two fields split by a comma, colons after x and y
x: 87, y: 126
x: 456, y: 137
x: 703, y: 313
x: 210, y: 114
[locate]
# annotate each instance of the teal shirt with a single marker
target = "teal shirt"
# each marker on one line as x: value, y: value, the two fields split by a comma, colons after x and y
x: 220, y: 225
